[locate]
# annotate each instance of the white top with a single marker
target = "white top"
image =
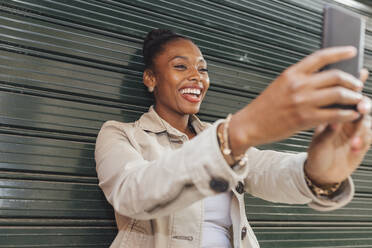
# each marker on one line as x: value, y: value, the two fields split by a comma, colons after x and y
x: 217, y: 221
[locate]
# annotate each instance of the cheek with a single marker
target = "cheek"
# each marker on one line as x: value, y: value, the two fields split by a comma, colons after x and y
x: 168, y: 85
x: 206, y: 82
x: 175, y: 78
x: 171, y: 79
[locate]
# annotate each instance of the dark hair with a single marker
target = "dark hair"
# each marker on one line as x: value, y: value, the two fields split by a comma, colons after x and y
x: 155, y: 42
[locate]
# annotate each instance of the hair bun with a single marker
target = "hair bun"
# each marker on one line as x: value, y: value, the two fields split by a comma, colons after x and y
x: 154, y: 43
x: 156, y: 33
x: 153, y: 36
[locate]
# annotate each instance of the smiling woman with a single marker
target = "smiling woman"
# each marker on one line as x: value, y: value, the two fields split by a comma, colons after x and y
x: 175, y: 181
x: 178, y: 77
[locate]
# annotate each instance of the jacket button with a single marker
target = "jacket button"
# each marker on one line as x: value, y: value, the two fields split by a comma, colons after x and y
x: 244, y: 232
x: 240, y: 188
x: 219, y: 184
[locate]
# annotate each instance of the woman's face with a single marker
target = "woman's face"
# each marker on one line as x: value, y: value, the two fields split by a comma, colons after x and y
x: 181, y: 78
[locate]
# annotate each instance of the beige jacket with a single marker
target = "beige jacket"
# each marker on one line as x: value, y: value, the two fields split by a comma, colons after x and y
x: 156, y: 179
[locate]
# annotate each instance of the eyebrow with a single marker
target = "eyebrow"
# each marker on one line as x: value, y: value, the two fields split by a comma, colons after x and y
x: 184, y: 57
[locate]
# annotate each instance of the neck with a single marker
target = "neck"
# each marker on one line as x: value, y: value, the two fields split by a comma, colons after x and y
x: 176, y: 120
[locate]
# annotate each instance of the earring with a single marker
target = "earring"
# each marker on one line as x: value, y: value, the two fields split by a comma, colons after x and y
x: 150, y: 88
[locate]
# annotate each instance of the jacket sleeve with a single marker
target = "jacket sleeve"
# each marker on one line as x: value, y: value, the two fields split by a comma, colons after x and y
x: 149, y: 189
x: 279, y: 177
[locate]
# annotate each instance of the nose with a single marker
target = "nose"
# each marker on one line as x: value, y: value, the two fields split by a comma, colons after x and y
x: 194, y: 75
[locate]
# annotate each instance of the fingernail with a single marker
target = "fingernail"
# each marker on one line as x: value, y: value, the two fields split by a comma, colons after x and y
x: 352, y: 49
x: 358, y: 84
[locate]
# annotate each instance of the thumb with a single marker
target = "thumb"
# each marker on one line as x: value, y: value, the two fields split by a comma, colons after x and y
x: 357, y: 140
x: 319, y: 129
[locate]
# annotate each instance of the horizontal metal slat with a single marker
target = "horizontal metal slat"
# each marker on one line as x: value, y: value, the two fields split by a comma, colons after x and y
x: 56, y: 237
x: 42, y: 199
x: 239, y: 24
x: 54, y: 114
x: 243, y: 56
x: 208, y: 46
x: 34, y: 154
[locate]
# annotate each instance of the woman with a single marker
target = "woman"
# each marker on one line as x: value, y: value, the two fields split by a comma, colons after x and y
x: 175, y: 181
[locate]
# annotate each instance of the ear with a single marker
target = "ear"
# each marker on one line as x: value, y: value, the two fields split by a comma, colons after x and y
x: 149, y: 78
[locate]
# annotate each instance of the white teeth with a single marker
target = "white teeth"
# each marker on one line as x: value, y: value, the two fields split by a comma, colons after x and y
x: 190, y: 91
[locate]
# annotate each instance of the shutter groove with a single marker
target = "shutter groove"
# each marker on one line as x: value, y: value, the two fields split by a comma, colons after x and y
x: 67, y: 66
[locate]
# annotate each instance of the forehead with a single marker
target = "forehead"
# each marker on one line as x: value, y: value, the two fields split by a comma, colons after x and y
x: 181, y: 48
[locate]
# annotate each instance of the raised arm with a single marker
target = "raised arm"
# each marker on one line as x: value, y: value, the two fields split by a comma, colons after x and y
x: 297, y: 100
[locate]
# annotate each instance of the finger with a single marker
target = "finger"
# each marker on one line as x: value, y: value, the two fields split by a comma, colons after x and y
x: 364, y: 75
x: 332, y: 78
x: 365, y: 106
x: 355, y: 133
x: 323, y: 57
x: 335, y: 115
x: 328, y: 96
x: 362, y: 137
x: 356, y: 144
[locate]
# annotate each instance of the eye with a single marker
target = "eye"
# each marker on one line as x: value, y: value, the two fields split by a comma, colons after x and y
x: 203, y: 69
x: 181, y: 67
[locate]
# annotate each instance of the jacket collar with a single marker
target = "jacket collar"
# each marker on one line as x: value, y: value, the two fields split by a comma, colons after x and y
x: 152, y: 122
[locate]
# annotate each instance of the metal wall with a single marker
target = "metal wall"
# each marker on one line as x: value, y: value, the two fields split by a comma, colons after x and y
x: 66, y: 66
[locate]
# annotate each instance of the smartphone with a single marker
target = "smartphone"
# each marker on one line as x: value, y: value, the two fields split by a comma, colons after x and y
x: 342, y: 27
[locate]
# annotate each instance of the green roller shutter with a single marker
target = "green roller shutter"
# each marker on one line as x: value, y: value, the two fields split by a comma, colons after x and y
x: 66, y: 66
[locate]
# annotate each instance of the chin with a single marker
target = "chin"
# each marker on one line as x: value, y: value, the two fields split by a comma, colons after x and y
x: 191, y: 109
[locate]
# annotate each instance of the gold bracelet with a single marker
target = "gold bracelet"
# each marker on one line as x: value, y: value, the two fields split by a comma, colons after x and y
x: 223, y: 139
x: 326, y: 190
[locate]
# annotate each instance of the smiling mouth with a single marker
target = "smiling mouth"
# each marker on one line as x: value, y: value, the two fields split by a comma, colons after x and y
x: 191, y: 94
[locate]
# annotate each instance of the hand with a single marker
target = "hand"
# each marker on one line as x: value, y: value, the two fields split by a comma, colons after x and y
x: 295, y: 101
x: 337, y: 149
